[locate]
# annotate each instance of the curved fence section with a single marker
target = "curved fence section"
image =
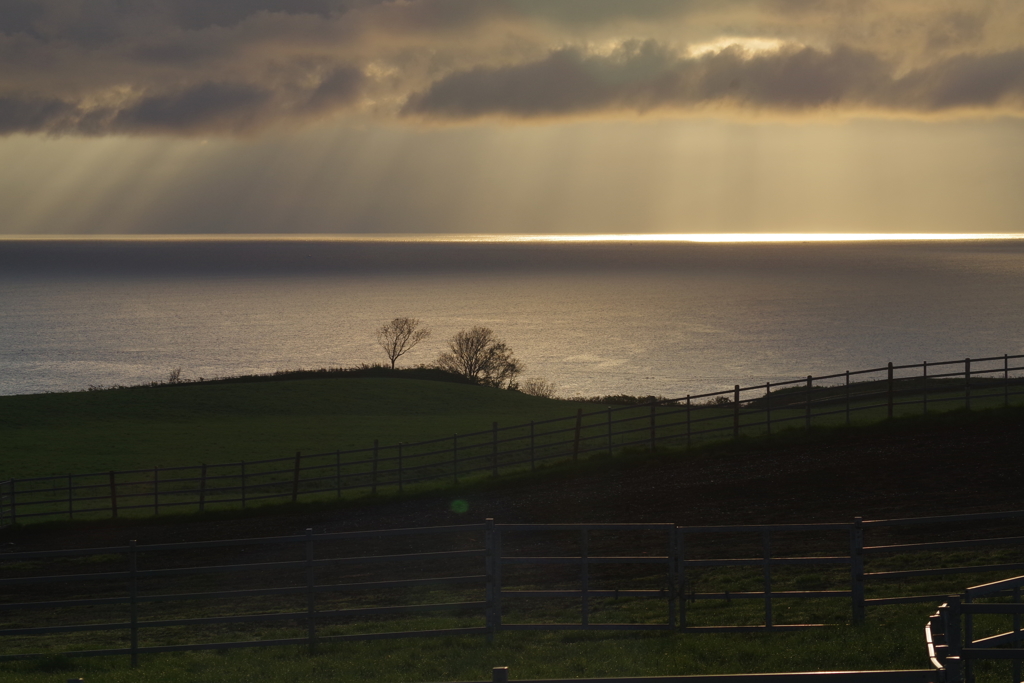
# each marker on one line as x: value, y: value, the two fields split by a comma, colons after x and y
x: 953, y: 633
x: 677, y: 423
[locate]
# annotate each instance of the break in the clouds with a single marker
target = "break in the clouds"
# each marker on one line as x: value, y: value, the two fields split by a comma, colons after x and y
x: 202, y: 67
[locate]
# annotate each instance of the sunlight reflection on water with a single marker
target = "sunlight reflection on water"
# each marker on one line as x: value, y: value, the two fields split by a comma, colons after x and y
x: 595, y: 318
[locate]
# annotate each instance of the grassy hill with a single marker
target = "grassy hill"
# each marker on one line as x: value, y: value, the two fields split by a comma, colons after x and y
x: 187, y: 424
x: 915, y: 466
x: 937, y: 464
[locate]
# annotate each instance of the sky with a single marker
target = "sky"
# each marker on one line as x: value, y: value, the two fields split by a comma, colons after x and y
x: 511, y: 116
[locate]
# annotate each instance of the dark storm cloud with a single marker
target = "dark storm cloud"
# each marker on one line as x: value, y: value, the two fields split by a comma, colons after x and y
x: 199, y: 14
x: 198, y: 67
x: 19, y: 16
x: 35, y: 114
x: 202, y: 107
x: 642, y: 77
x: 97, y: 21
x: 339, y: 88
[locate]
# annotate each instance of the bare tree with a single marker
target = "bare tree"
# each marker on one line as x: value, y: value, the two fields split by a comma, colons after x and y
x: 478, y: 355
x: 399, y: 336
x: 538, y: 386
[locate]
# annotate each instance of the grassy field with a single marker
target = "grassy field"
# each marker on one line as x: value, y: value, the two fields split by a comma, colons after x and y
x: 190, y: 424
x: 888, y: 644
x: 891, y: 638
x: 167, y: 426
x: 226, y: 423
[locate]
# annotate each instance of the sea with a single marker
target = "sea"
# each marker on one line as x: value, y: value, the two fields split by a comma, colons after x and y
x: 597, y: 315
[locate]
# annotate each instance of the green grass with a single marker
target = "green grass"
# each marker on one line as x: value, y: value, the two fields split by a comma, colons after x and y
x: 141, y: 428
x: 167, y: 426
x: 190, y: 424
x: 186, y: 424
x: 542, y: 655
x: 891, y: 639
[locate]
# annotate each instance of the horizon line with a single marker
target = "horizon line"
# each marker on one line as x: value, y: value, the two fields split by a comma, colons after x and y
x: 785, y: 237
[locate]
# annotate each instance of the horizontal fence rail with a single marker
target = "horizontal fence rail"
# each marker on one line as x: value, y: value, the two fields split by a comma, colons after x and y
x: 677, y: 423
x: 487, y: 578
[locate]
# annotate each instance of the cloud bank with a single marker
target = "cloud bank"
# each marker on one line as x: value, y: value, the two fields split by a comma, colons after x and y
x: 236, y: 67
x: 646, y: 77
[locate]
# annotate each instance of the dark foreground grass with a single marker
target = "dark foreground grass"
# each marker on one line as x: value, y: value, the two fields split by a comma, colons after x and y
x: 892, y: 639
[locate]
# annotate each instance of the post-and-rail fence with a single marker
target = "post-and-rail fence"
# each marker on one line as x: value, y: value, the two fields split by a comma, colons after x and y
x: 320, y: 587
x: 667, y: 423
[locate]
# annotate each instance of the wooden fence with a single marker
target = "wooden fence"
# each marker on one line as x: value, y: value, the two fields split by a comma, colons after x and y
x: 677, y: 423
x: 312, y: 588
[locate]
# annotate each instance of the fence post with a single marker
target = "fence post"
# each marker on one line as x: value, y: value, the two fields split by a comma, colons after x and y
x: 243, y: 484
x: 890, y: 390
x: 609, y: 431
x: 735, y: 411
x: 156, y: 491
x: 202, y: 488
x: 968, y: 640
x: 310, y: 594
x: 401, y: 477
x: 955, y: 669
x: 673, y: 577
x: 857, y: 569
x: 337, y: 469
x: 494, y: 446
x: 295, y: 479
x: 497, y: 578
x: 1006, y: 391
x: 924, y: 397
x: 847, y: 398
x: 71, y: 504
x: 681, y: 575
x: 1016, y: 628
x: 953, y: 661
x: 768, y: 404
x: 810, y: 383
x: 967, y: 382
x: 688, y: 431
x: 499, y: 674
x: 113, y: 496
x: 489, y: 563
x: 576, y: 437
x: 766, y: 571
x: 14, y: 503
x: 373, y: 490
x: 455, y: 458
x: 133, y: 600
x: 654, y: 410
x: 533, y: 447
x: 584, y: 578
x: 952, y: 625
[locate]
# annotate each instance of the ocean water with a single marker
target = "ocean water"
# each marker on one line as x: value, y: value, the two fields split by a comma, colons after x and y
x: 663, y: 318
